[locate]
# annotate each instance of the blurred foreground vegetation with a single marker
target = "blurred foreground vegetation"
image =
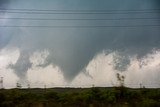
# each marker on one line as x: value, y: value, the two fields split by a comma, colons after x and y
x: 80, y: 97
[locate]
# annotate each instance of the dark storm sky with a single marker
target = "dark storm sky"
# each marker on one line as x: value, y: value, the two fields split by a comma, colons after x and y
x: 73, y: 48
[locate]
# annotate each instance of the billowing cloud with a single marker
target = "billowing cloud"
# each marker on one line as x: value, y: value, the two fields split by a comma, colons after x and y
x: 71, y: 49
x: 100, y: 71
x: 7, y: 57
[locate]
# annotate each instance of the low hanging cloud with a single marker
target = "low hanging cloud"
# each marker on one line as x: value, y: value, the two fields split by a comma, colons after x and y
x: 100, y: 71
x: 7, y: 57
x: 66, y: 52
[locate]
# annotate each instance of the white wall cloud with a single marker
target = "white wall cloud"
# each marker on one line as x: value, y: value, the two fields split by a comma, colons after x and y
x: 99, y: 72
x: 7, y: 57
x: 49, y: 76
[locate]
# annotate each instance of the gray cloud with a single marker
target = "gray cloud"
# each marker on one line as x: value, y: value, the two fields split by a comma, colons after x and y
x: 73, y: 48
x: 22, y: 65
x: 4, y: 3
x: 3, y: 39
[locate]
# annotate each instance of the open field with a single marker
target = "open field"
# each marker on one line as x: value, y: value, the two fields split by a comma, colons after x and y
x: 80, y: 97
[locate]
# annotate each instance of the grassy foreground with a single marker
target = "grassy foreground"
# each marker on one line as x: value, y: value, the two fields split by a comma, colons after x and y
x: 80, y: 97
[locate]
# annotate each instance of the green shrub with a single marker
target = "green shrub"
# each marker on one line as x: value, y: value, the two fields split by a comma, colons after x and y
x: 51, y: 95
x: 149, y: 103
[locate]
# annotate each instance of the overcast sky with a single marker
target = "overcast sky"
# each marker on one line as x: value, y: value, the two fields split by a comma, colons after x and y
x: 72, y: 48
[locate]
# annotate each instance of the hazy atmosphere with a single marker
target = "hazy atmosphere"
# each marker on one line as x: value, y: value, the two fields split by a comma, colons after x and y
x: 79, y: 43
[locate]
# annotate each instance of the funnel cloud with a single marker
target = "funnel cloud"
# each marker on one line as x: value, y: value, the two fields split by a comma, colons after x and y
x: 71, y: 49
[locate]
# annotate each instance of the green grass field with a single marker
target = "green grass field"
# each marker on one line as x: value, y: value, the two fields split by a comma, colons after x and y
x: 80, y: 97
